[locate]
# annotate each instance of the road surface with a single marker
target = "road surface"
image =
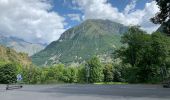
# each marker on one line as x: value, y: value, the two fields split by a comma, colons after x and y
x: 86, y: 92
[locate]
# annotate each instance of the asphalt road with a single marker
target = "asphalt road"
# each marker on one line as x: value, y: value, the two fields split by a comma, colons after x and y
x: 86, y: 92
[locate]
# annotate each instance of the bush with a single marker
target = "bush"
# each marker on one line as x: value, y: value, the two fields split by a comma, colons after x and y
x: 8, y: 73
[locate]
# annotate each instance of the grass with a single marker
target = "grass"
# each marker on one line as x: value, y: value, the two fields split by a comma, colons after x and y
x: 110, y: 83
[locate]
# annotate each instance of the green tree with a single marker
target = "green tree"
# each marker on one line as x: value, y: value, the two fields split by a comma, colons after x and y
x: 81, y: 74
x: 95, y: 70
x: 66, y: 75
x: 145, y: 53
x: 8, y: 73
x: 161, y: 53
x: 31, y: 74
x: 117, y: 72
x: 163, y: 17
x: 74, y: 74
x: 134, y: 40
x: 57, y: 71
x: 108, y: 73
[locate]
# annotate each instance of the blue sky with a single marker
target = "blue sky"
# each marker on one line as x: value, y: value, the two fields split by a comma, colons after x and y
x: 43, y: 21
x: 64, y: 7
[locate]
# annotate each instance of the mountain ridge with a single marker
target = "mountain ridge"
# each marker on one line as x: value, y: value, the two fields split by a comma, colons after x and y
x: 20, y: 45
x: 10, y: 55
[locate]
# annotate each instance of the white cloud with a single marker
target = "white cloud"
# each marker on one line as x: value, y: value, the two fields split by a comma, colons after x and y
x: 75, y: 17
x: 31, y: 20
x: 102, y: 9
x: 130, y: 7
x: 149, y: 11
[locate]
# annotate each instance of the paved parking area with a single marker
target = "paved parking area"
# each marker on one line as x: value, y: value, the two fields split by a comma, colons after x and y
x: 86, y: 92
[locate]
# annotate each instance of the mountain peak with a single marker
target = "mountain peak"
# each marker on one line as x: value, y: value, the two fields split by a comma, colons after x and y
x: 92, y: 37
x: 94, y: 27
x: 99, y: 21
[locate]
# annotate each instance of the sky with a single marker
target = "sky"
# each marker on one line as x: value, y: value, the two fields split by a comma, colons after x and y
x: 43, y: 21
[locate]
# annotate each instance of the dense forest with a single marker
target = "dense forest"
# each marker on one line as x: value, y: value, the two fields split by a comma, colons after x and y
x: 144, y: 59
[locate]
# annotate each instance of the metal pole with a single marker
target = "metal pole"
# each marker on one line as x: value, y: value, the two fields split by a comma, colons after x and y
x: 87, y: 74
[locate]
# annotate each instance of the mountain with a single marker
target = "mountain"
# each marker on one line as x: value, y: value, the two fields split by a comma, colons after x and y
x: 10, y: 55
x: 20, y: 45
x: 76, y: 45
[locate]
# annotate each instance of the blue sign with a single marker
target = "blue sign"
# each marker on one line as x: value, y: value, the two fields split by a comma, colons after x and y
x: 19, y: 77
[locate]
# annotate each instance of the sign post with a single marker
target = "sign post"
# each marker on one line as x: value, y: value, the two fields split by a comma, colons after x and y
x: 87, y: 74
x: 19, y: 77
